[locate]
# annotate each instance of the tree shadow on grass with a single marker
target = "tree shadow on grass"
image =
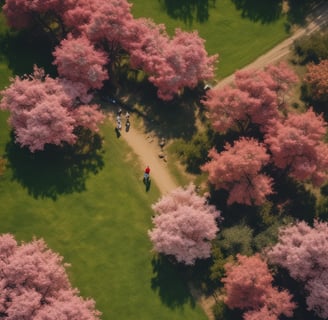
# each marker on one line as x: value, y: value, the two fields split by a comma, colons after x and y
x: 169, y: 281
x: 259, y: 11
x: 168, y: 119
x: 188, y: 11
x: 300, y: 9
x: 56, y: 170
x: 282, y: 279
x: 295, y: 199
x: 21, y: 50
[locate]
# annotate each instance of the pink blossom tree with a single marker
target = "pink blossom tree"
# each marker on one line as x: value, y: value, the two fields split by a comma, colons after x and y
x: 317, y: 78
x: 21, y: 14
x: 237, y: 170
x: 184, y: 225
x: 185, y: 64
x: 303, y: 251
x: 228, y: 108
x: 87, y: 116
x: 248, y: 285
x: 260, y: 314
x: 45, y: 110
x: 317, y: 298
x: 297, y: 145
x: 269, y: 85
x: 34, y: 284
x: 147, y: 44
x: 255, y: 97
x: 77, y: 60
x: 109, y: 25
x: 78, y: 15
x: 108, y: 21
x: 171, y: 64
x: 283, y: 79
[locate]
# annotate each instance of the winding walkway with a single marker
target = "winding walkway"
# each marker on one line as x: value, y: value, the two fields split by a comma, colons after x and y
x: 147, y: 149
x: 317, y: 20
x: 146, y: 146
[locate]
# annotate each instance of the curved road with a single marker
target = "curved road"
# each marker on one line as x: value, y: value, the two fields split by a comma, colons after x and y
x: 148, y: 151
x: 317, y: 20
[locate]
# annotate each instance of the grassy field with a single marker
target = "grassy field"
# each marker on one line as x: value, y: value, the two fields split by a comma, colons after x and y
x: 94, y: 211
x: 239, y: 31
x: 5, y: 71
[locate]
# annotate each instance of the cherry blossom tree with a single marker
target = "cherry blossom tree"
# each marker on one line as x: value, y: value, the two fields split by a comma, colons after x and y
x: 303, y: 251
x: 186, y: 63
x: 172, y: 64
x: 317, y: 298
x: 297, y: 145
x: 263, y: 313
x: 248, y: 285
x: 237, y: 170
x: 147, y: 44
x: 77, y: 60
x: 268, y: 85
x: 246, y: 282
x: 34, y: 284
x: 283, y: 79
x: 317, y: 78
x: 48, y: 14
x: 229, y: 108
x: 45, y: 110
x: 108, y: 21
x: 78, y: 15
x: 108, y: 24
x: 184, y: 225
x: 255, y: 97
x: 87, y: 116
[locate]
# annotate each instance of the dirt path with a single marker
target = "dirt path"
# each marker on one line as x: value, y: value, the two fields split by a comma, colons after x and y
x: 146, y: 147
x: 317, y: 20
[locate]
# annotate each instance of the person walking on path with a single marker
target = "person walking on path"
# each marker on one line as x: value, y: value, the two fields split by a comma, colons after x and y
x: 146, y: 174
x: 127, y: 125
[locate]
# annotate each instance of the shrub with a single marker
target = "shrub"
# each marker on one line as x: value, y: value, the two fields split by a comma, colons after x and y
x: 2, y: 166
x: 222, y: 312
x: 193, y: 153
x: 312, y: 48
x: 237, y: 239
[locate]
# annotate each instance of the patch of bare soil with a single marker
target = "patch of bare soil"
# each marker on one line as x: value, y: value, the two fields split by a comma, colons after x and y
x: 147, y: 147
x: 206, y: 302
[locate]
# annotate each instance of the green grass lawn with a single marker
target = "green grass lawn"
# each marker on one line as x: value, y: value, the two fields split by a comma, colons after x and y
x: 238, y: 40
x: 94, y: 209
x: 5, y: 71
x: 98, y: 222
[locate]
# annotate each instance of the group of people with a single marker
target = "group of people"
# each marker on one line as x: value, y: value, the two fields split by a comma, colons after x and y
x: 119, y: 122
x: 146, y: 176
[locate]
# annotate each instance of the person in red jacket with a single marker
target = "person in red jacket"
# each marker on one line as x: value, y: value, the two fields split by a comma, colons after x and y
x: 146, y: 173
